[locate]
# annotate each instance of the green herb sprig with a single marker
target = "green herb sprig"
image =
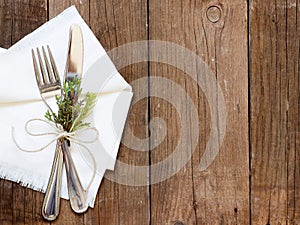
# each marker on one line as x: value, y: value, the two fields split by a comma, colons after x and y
x: 72, y: 109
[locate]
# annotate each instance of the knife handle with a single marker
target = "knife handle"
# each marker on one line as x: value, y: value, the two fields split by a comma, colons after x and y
x: 76, y: 192
x: 51, y: 202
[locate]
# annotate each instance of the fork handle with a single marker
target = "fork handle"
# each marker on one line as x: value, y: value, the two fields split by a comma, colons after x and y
x: 76, y: 192
x: 51, y: 202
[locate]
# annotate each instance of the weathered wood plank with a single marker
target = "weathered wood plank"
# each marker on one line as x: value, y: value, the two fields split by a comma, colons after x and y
x: 223, y: 189
x: 275, y: 112
x: 27, y: 16
x: 116, y: 23
x: 6, y: 209
x: 293, y: 130
x: 219, y: 195
x: 171, y: 200
x: 6, y: 20
x: 83, y: 7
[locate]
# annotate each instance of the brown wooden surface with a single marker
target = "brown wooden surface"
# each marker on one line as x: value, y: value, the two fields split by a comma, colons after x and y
x: 255, y: 179
x: 275, y: 112
x: 210, y: 197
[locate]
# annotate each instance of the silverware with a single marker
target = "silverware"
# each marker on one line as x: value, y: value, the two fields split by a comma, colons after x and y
x: 74, y: 62
x: 49, y: 85
x: 74, y: 69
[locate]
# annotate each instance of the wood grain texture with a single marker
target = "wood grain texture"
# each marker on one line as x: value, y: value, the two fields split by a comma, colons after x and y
x: 219, y: 195
x: 83, y: 7
x: 275, y: 112
x: 172, y: 200
x: 223, y: 189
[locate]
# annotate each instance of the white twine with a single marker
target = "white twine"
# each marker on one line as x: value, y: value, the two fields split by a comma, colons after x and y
x: 58, y: 134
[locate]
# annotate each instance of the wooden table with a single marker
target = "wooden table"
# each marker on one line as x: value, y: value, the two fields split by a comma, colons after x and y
x: 253, y: 49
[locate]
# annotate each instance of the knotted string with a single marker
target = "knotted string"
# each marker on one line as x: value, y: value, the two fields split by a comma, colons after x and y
x: 59, y: 133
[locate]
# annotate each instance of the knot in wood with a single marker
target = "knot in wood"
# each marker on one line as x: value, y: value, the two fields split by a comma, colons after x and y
x: 213, y: 14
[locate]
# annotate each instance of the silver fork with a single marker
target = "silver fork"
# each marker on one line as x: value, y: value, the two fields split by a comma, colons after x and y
x: 49, y: 85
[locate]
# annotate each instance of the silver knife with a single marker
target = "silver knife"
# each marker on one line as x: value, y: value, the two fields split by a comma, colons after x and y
x: 74, y: 69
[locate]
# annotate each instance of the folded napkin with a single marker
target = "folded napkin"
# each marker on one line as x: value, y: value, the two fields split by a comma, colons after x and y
x: 20, y: 101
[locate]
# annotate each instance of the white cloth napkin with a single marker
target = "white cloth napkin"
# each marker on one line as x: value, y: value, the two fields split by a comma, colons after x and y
x: 20, y: 101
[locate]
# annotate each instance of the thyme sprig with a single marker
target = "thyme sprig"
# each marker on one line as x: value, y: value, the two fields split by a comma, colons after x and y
x: 72, y: 109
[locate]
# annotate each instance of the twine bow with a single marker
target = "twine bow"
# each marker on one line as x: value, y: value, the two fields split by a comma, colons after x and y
x: 58, y: 133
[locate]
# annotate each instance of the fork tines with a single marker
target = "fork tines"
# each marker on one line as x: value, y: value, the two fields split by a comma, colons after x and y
x: 45, y: 71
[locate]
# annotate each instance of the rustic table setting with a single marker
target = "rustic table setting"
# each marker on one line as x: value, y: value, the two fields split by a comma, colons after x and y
x: 249, y: 49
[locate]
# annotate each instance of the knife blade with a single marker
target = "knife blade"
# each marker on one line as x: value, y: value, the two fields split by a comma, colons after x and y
x: 75, y: 53
x: 73, y: 69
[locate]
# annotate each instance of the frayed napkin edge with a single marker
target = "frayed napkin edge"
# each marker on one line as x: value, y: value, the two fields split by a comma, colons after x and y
x: 23, y: 178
